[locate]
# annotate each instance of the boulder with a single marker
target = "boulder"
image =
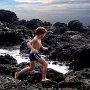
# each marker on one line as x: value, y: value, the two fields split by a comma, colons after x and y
x: 77, y: 79
x: 60, y: 28
x: 8, y: 16
x: 34, y: 23
x: 81, y: 59
x: 75, y: 25
x: 7, y: 59
x: 10, y: 37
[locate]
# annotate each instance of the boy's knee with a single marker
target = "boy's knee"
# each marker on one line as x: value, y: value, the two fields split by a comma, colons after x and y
x: 45, y: 64
x: 31, y: 68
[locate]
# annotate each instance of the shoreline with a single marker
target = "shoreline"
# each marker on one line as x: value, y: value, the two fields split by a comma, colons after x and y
x: 55, y: 65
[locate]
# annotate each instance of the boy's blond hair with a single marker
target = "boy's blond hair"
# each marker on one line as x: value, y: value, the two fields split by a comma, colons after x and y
x: 40, y: 30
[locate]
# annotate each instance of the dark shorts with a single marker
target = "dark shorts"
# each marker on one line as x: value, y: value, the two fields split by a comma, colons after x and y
x: 34, y: 56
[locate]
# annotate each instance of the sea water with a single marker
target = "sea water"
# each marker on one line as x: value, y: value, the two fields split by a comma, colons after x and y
x: 59, y: 67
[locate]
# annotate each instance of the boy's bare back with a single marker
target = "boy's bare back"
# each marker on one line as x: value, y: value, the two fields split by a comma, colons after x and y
x: 36, y: 43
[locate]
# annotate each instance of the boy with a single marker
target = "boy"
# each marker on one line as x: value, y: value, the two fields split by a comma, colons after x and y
x: 35, y: 45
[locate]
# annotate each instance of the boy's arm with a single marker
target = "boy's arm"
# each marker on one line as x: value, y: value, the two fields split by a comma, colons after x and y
x: 29, y: 45
x: 44, y: 48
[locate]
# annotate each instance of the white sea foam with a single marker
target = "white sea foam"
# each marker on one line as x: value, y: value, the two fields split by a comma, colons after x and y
x: 16, y: 54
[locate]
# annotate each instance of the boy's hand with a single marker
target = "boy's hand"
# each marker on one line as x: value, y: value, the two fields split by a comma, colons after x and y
x: 34, y: 50
x: 45, y: 48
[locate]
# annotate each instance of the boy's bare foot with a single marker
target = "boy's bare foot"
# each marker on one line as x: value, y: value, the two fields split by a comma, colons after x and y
x: 16, y: 75
x: 44, y: 80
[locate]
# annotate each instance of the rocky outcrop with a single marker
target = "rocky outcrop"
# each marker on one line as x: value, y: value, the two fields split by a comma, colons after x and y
x: 34, y: 23
x: 60, y: 28
x: 8, y: 67
x: 9, y: 83
x: 75, y: 25
x: 7, y: 59
x: 81, y: 59
x: 11, y: 34
x: 74, y: 80
x: 10, y: 38
x: 8, y: 16
x: 79, y: 79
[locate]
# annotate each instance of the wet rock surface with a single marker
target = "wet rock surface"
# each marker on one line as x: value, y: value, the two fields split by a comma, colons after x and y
x: 26, y: 80
x: 74, y: 80
x: 81, y: 59
x: 80, y: 79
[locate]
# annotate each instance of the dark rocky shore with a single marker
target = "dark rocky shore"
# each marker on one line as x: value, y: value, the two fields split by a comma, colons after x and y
x: 68, y: 43
x: 74, y: 80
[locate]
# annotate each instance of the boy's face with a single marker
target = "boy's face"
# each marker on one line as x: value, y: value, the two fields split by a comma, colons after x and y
x: 42, y: 35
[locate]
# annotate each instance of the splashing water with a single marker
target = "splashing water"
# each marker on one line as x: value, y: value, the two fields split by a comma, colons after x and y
x: 16, y: 54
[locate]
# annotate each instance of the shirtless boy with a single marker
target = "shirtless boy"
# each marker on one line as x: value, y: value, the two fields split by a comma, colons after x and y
x: 35, y: 45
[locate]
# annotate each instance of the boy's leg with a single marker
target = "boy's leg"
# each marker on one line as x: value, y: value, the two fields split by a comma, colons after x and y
x: 30, y: 68
x: 44, y: 70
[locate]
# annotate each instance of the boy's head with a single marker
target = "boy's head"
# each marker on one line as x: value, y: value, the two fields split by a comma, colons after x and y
x: 40, y: 31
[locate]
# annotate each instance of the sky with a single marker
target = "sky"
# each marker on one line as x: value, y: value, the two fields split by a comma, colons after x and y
x: 50, y: 10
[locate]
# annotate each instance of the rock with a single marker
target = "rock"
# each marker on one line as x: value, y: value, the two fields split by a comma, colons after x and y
x: 71, y: 32
x: 49, y: 84
x: 54, y: 75
x: 31, y: 80
x: 47, y: 23
x: 9, y: 83
x: 81, y: 59
x: 36, y: 75
x: 8, y: 69
x: 34, y: 23
x: 77, y: 37
x: 24, y: 48
x: 75, y: 25
x: 60, y: 28
x: 70, y: 84
x: 22, y: 65
x: 79, y: 79
x: 7, y: 59
x: 10, y: 38
x: 63, y: 53
x: 8, y: 16
x: 8, y: 65
x: 22, y: 22
x: 50, y: 40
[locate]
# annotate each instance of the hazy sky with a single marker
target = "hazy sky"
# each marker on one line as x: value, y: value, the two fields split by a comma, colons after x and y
x: 50, y: 10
